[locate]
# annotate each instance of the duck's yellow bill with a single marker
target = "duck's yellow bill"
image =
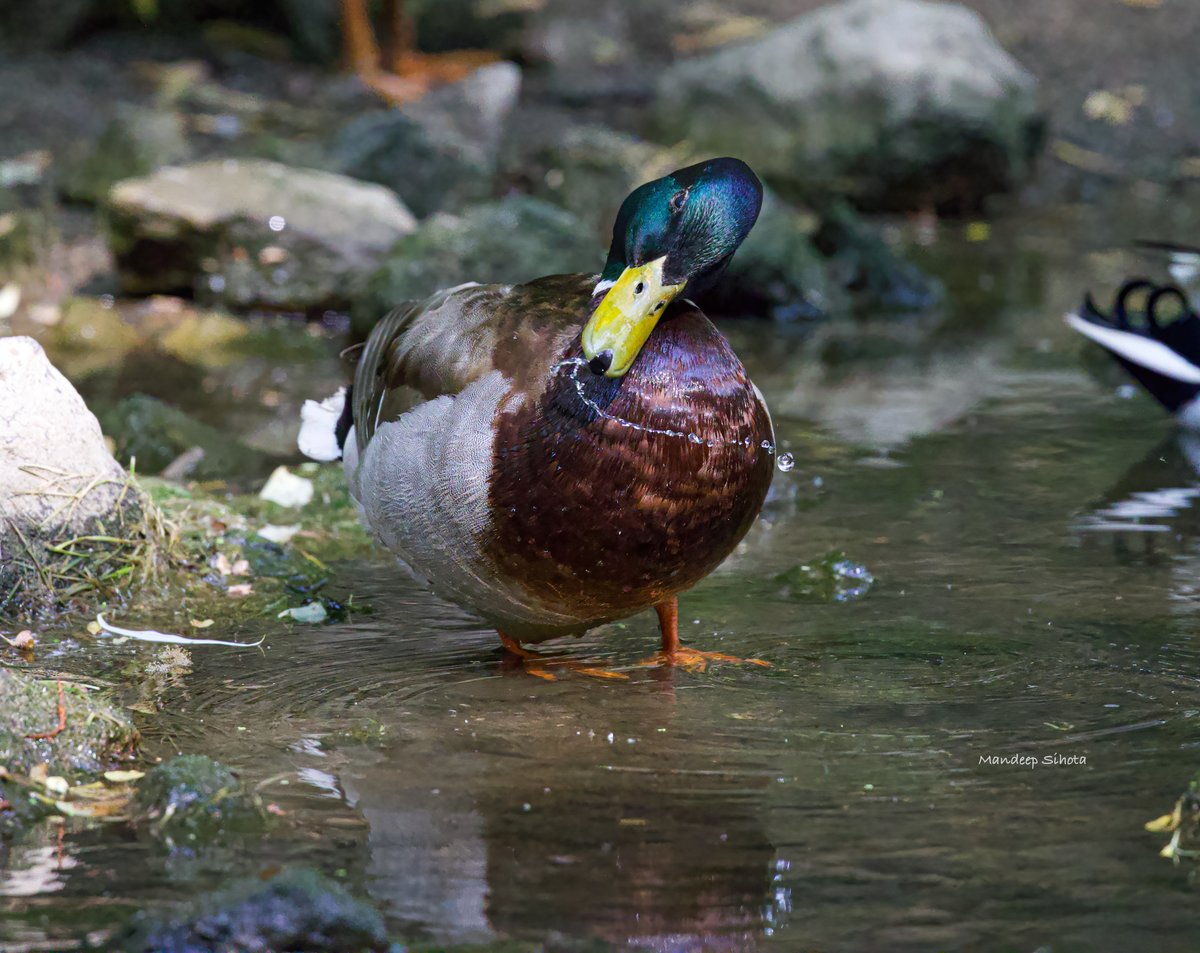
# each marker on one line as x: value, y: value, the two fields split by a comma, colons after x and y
x: 627, y: 314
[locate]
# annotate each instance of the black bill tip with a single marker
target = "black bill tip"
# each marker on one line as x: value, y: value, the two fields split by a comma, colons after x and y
x: 601, y: 362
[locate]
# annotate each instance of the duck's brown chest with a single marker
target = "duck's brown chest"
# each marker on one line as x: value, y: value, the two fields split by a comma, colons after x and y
x: 608, y: 496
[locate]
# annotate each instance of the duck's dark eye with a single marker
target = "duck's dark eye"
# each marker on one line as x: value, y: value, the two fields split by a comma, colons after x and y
x: 678, y: 200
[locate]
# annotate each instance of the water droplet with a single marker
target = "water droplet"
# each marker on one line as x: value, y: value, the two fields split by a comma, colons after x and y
x: 786, y: 462
x: 276, y: 223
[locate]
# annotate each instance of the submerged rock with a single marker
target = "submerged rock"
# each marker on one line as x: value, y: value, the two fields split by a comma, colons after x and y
x: 439, y: 153
x: 193, y: 799
x: 58, y: 483
x: 897, y: 104
x: 516, y: 239
x: 297, y: 910
x: 252, y: 233
x: 832, y: 578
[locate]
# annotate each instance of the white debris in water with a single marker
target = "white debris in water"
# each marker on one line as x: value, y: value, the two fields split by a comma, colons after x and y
x: 152, y: 635
x: 311, y: 614
x: 287, y: 489
x: 279, y: 534
x: 10, y: 300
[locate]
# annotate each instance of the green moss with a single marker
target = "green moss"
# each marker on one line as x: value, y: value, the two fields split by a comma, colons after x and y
x: 299, y: 909
x: 48, y: 569
x: 95, y: 735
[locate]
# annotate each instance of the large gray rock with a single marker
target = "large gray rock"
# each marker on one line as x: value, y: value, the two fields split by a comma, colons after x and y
x: 58, y: 481
x: 514, y: 240
x: 440, y: 152
x: 895, y: 103
x: 55, y: 470
x: 252, y: 233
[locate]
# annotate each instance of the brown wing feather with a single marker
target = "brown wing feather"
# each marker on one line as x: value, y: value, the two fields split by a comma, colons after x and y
x: 422, y: 350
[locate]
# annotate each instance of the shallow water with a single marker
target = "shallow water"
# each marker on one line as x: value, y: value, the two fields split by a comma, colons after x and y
x: 1035, y: 537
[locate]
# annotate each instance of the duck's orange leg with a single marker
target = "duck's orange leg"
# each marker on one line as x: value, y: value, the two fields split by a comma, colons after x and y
x: 358, y: 37
x: 673, y: 653
x: 534, y: 663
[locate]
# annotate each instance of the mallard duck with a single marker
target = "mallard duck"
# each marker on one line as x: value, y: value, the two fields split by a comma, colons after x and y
x: 566, y: 452
x: 1160, y: 349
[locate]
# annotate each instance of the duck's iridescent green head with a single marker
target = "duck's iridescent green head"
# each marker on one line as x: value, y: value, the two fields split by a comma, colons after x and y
x: 673, y: 235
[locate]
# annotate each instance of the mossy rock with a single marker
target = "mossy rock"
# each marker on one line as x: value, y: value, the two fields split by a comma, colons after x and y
x: 513, y: 240
x: 299, y: 909
x: 778, y: 272
x: 96, y: 735
x: 862, y: 262
x: 156, y: 433
x: 136, y: 142
x: 193, y: 799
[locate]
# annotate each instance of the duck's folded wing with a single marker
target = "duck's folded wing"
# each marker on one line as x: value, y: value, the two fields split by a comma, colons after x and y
x: 423, y: 350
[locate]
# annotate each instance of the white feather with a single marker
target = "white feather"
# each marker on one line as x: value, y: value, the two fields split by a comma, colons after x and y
x: 318, y: 427
x: 1139, y: 349
x: 602, y: 286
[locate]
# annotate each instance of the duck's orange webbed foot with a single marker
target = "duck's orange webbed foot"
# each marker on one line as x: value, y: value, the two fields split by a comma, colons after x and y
x: 539, y: 665
x: 400, y: 74
x: 690, y: 660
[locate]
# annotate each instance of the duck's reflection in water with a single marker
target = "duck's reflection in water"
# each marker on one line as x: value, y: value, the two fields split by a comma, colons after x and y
x: 573, y: 842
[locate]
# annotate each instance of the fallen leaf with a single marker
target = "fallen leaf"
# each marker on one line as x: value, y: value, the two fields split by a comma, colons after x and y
x: 123, y: 777
x: 221, y: 564
x: 240, y: 568
x: 22, y: 640
x: 201, y: 623
x: 56, y: 785
x: 978, y: 232
x: 239, y: 591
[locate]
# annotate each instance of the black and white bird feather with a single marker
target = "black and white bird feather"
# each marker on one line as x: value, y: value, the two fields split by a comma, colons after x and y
x: 1158, y: 340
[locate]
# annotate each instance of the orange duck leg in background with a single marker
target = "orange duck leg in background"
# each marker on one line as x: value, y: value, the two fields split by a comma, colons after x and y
x: 401, y: 74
